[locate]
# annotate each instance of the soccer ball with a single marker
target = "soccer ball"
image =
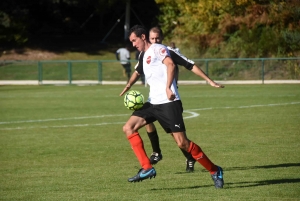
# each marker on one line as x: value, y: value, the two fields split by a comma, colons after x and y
x: 133, y: 100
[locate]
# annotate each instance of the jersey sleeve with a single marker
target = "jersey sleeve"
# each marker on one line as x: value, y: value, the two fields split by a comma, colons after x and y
x: 139, y: 66
x: 161, y: 52
x: 181, y: 60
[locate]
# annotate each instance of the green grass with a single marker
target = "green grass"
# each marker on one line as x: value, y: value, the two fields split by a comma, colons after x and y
x: 66, y: 143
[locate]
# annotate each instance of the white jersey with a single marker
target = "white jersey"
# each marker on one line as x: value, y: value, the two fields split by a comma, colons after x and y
x: 156, y: 74
x: 124, y: 55
x: 176, y: 49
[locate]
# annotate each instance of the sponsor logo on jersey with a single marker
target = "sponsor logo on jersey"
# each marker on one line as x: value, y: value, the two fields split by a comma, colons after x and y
x: 148, y: 60
x: 162, y: 51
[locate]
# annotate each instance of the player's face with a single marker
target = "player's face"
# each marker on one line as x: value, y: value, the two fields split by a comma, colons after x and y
x: 137, y: 41
x: 155, y: 38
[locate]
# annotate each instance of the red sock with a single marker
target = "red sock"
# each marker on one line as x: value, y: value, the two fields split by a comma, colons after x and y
x: 138, y: 148
x: 199, y: 155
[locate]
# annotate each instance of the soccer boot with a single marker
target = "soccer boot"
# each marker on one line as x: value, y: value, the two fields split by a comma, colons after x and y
x: 155, y: 157
x: 143, y: 174
x: 218, y: 178
x: 190, y: 165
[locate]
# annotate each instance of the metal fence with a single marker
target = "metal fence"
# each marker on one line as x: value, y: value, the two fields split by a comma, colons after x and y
x: 257, y: 70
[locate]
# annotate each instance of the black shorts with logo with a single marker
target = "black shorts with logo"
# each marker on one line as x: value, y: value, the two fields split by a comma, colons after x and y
x: 169, y: 115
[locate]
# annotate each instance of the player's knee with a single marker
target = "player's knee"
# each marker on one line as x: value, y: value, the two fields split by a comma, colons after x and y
x: 183, y: 145
x: 150, y: 128
x: 127, y: 129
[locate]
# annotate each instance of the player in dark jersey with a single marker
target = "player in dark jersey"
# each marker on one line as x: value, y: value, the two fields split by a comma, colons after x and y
x: 156, y: 36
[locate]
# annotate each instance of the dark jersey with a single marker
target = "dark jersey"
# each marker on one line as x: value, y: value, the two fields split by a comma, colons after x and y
x: 177, y: 58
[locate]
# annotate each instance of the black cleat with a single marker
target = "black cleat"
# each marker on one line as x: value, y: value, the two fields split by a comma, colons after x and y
x: 155, y: 157
x: 190, y: 165
x: 143, y: 174
x: 218, y: 178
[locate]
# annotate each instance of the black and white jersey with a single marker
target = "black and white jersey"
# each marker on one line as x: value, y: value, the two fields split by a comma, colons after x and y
x: 177, y: 58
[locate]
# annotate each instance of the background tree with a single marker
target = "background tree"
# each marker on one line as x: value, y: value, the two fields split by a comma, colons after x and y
x: 234, y: 28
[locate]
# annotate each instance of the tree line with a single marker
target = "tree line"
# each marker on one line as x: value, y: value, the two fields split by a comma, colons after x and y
x: 235, y: 28
x: 232, y: 28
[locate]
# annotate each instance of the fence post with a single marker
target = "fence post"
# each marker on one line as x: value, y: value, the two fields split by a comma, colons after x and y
x: 263, y: 71
x: 206, y: 69
x: 99, y: 72
x: 70, y: 72
x: 40, y: 72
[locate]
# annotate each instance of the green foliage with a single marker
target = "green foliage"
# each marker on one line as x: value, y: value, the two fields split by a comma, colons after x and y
x: 252, y: 42
x: 293, y: 69
x: 243, y: 27
x: 291, y: 39
x: 168, y: 20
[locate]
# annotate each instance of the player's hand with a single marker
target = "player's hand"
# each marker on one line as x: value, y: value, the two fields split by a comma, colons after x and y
x: 213, y: 84
x: 128, y: 86
x: 170, y: 94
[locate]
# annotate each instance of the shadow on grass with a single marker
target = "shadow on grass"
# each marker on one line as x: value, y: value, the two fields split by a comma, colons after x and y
x: 237, y: 184
x: 283, y: 165
x: 245, y: 184
x: 262, y: 183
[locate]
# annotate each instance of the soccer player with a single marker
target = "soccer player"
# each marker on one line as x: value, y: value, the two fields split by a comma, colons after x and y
x: 173, y: 47
x: 164, y: 106
x: 156, y: 36
x: 123, y: 55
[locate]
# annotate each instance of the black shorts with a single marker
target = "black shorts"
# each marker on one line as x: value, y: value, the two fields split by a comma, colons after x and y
x: 127, y: 67
x: 169, y: 115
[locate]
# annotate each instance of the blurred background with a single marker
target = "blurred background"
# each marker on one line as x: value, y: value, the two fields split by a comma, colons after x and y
x: 220, y: 28
x: 62, y: 25
x: 202, y: 29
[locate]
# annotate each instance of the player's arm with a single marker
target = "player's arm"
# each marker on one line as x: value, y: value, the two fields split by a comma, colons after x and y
x: 134, y: 77
x: 180, y: 59
x: 196, y: 70
x: 170, y: 76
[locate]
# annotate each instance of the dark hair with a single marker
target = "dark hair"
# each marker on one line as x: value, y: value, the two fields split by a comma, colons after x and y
x: 157, y: 30
x: 139, y: 30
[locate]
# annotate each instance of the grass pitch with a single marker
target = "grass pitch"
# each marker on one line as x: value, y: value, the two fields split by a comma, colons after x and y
x: 66, y: 143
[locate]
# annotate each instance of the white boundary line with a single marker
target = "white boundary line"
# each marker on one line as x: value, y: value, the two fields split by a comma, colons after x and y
x: 193, y: 115
x: 107, y: 82
x: 61, y: 119
x: 249, y: 106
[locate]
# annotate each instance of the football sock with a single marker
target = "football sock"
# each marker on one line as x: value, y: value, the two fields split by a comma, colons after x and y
x: 137, y: 145
x: 199, y: 155
x: 187, y: 155
x: 153, y: 136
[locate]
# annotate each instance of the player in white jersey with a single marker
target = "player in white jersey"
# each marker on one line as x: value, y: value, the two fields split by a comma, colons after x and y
x: 165, y: 107
x: 123, y: 55
x: 156, y: 74
x: 156, y: 36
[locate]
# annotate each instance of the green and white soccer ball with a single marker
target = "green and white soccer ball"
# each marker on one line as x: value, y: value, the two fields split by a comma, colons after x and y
x: 133, y: 100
